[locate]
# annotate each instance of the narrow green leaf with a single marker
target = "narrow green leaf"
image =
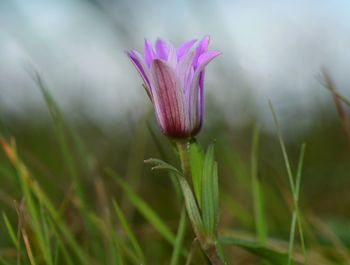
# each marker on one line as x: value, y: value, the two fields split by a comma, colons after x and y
x: 129, y: 254
x: 45, y: 230
x: 115, y: 243
x: 196, y: 157
x: 144, y: 208
x: 291, y: 237
x: 258, y: 197
x: 215, y: 185
x: 30, y: 187
x: 160, y: 164
x: 295, y: 188
x: 66, y: 256
x: 191, y: 206
x: 210, y: 193
x: 10, y: 230
x: 296, y: 201
x: 220, y: 251
x: 271, y: 255
x: 179, y: 239
x: 36, y: 221
x: 123, y: 221
x: 283, y: 147
x: 60, y: 130
x: 299, y: 170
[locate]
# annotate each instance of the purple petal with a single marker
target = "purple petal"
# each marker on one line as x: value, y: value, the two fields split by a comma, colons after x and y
x: 200, y: 99
x: 162, y: 49
x: 137, y: 60
x: 168, y: 99
x: 185, y: 74
x: 184, y: 68
x: 184, y: 47
x: 206, y: 57
x: 172, y: 57
x: 196, y: 90
x: 148, y: 52
x: 201, y: 48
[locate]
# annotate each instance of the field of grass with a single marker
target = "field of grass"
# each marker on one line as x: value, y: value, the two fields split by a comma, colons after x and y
x: 73, y: 193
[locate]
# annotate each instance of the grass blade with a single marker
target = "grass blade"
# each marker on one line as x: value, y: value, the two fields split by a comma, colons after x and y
x: 274, y: 257
x: 124, y: 223
x: 59, y: 129
x: 10, y: 230
x: 30, y: 183
x: 295, y: 188
x: 258, y: 198
x: 175, y: 256
x: 297, y: 193
x: 283, y: 147
x: 144, y: 209
x: 291, y: 237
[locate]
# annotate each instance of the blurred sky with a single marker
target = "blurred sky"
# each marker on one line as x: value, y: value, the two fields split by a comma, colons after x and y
x: 271, y: 49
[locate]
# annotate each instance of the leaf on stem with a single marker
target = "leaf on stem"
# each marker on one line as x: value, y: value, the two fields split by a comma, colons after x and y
x: 273, y: 256
x: 196, y: 157
x: 160, y: 164
x: 210, y: 193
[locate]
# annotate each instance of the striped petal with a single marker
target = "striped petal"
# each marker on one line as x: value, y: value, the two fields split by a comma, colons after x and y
x: 184, y: 68
x: 137, y: 60
x: 172, y: 57
x: 206, y: 57
x: 184, y: 47
x: 162, y: 49
x: 168, y: 99
x: 200, y: 98
x: 174, y: 80
x: 196, y: 99
x: 148, y: 52
x: 201, y: 48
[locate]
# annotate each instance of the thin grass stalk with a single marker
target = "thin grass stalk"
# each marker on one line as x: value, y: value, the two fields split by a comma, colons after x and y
x: 295, y: 188
x: 175, y: 256
x: 343, y: 116
x: 258, y: 198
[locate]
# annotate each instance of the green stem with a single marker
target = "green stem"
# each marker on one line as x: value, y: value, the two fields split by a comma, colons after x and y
x: 208, y: 245
x: 182, y: 146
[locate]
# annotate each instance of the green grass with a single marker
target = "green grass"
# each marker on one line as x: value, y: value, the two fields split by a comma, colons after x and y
x: 294, y: 182
x: 86, y: 197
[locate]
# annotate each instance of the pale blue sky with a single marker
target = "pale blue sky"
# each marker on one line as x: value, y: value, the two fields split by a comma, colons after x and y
x: 275, y: 48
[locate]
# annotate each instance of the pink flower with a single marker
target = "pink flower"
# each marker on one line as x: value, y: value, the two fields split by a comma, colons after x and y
x: 173, y: 78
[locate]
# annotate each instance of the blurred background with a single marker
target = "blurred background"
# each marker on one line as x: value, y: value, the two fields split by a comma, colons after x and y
x: 271, y: 50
